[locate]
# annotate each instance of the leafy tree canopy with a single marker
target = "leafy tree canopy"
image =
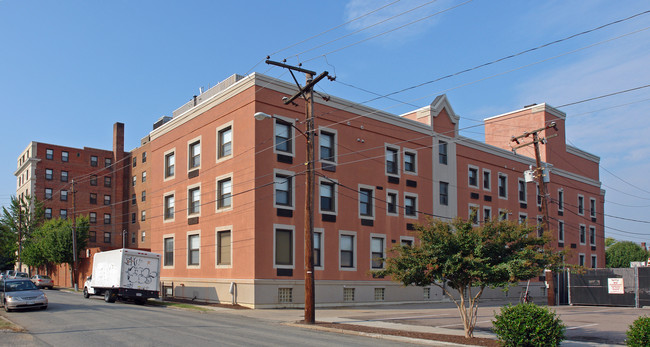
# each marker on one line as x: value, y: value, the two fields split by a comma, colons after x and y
x: 621, y: 253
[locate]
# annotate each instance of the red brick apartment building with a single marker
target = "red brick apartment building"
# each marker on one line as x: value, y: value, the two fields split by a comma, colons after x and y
x: 221, y: 195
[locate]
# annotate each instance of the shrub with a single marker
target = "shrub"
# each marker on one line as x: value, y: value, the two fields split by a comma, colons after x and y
x: 639, y: 332
x: 528, y: 325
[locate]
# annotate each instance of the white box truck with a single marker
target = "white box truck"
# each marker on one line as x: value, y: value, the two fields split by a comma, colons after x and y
x: 129, y: 274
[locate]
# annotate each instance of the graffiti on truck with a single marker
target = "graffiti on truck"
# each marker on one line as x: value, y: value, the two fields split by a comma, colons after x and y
x: 139, y: 272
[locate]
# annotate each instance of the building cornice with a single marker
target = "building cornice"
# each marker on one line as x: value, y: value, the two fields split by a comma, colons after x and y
x: 582, y: 154
x: 534, y: 109
x: 481, y: 146
x: 25, y: 164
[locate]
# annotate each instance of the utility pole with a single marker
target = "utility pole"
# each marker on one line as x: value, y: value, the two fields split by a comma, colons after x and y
x: 307, y: 92
x: 539, y: 170
x: 74, y: 239
x: 20, y: 232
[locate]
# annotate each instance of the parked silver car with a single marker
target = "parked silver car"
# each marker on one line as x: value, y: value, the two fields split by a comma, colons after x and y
x: 21, y: 293
x: 43, y: 281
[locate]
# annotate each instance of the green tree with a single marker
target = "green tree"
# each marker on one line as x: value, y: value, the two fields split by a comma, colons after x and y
x: 455, y: 255
x: 8, y: 247
x: 32, y: 253
x: 21, y: 217
x: 56, y: 239
x: 622, y: 253
x: 609, y: 241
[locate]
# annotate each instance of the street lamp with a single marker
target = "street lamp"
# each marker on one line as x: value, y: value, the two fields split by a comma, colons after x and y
x: 309, y: 213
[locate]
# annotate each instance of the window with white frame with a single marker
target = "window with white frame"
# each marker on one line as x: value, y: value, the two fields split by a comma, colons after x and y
x: 560, y: 231
x: 522, y: 190
x: 327, y: 194
x: 48, y: 213
x: 93, y: 160
x: 107, y: 199
x: 581, y: 259
x: 143, y: 196
x: 442, y: 152
x: 377, y: 251
x: 347, y: 246
x: 107, y: 218
x: 523, y: 218
x: 194, y: 154
x: 193, y: 249
x: 194, y: 200
x: 474, y: 214
x: 406, y: 241
x: 224, y: 193
x: 487, y: 213
x: 444, y: 193
x: 592, y: 235
x: 224, y: 142
x: 366, y: 208
x: 284, y: 247
x: 224, y: 248
x: 560, y: 200
x: 133, y: 180
x: 487, y: 177
x: 594, y: 263
x: 583, y: 234
x: 472, y: 175
x: 392, y: 160
x: 410, y: 205
x: 283, y: 136
x: 391, y: 202
x: 107, y: 237
x: 169, y: 202
x: 143, y: 236
x: 503, y: 185
x: 581, y: 205
x: 318, y: 248
x: 170, y: 164
x: 64, y: 176
x: 65, y: 156
x: 48, y: 193
x: 283, y: 190
x: 592, y: 207
x: 49, y: 173
x: 168, y: 251
x: 143, y: 215
x: 64, y: 215
x: 49, y: 154
x: 327, y: 147
x: 92, y: 216
x: 503, y: 214
x: 144, y: 176
x: 410, y: 161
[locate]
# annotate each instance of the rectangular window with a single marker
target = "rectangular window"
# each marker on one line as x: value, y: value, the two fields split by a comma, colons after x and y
x: 581, y: 205
x: 49, y: 174
x: 223, y: 247
x: 48, y: 213
x: 168, y: 258
x: 410, y: 206
x: 194, y: 200
x: 592, y: 207
x: 593, y: 262
x: 392, y: 161
x: 92, y: 217
x: 195, y: 155
x: 64, y: 176
x: 65, y: 156
x: 93, y: 160
x: 135, y: 162
x: 64, y: 195
x: 487, y: 213
x: 377, y: 252
x: 283, y: 191
x: 391, y: 203
x: 143, y: 215
x: 348, y: 294
x: 560, y: 231
x: 592, y: 236
x: 472, y: 175
x: 144, y: 176
x: 581, y: 260
x: 474, y: 214
x: 107, y: 237
x: 143, y: 236
x: 133, y: 238
x: 487, y: 179
x: 442, y: 152
x: 346, y: 245
x: 49, y: 154
x: 133, y: 199
x: 108, y: 162
x: 326, y: 141
x: 225, y: 142
x: 133, y: 181
x: 444, y: 193
x: 133, y: 218
x: 379, y: 294
x: 224, y: 193
x: 522, y: 190
x: 284, y: 247
x: 107, y: 218
x: 92, y: 236
x: 503, y: 214
x: 93, y: 180
x: 283, y: 136
x: 503, y: 186
x: 107, y: 181
x: 285, y: 295
x: 170, y: 163
x: 318, y: 249
x: 193, y: 249
x: 144, y: 157
x: 327, y: 202
x: 523, y: 218
x: 48, y: 193
x: 64, y: 214
x: 410, y: 162
x: 169, y: 206
x: 107, y: 199
x: 583, y: 234
x: 560, y: 200
x: 365, y: 202
x: 143, y: 196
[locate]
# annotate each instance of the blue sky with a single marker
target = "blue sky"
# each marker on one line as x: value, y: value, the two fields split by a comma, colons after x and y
x: 70, y: 69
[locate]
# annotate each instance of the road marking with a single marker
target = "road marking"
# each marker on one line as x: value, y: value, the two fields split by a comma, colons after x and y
x: 582, y: 326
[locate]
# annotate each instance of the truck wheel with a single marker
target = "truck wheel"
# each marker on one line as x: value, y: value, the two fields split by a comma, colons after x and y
x: 109, y: 296
x: 86, y: 295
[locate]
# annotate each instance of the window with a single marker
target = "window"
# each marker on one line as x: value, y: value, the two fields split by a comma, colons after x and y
x: 327, y: 202
x: 285, y: 295
x: 133, y: 237
x: 223, y: 247
x: 592, y: 235
x: 64, y: 176
x: 92, y: 236
x: 326, y: 141
x: 93, y: 160
x: 444, y: 193
x: 379, y: 294
x: 64, y: 195
x: 93, y: 180
x: 65, y: 156
x: 522, y: 191
x: 283, y: 136
x: 133, y: 218
x: 108, y: 162
x: 143, y: 195
x: 487, y: 213
x: 410, y: 162
x: 522, y: 218
x: 365, y: 202
x: 107, y: 181
x: 377, y: 252
x: 48, y: 213
x: 107, y: 218
x: 144, y: 176
x: 539, y: 196
x: 503, y: 186
x: 503, y: 214
x: 442, y: 152
x: 133, y: 181
x: 92, y: 217
x: 133, y: 199
x: 406, y: 241
x: 592, y: 207
x: 486, y: 179
x: 392, y: 166
x: 194, y: 200
x: 410, y: 206
x: 143, y: 215
x: 49, y: 174
x: 143, y: 236
x: 593, y: 261
x: 107, y: 199
x: 224, y: 142
x: 583, y: 234
x: 472, y: 176
x: 135, y: 162
x: 283, y: 190
x: 224, y: 193
x: 581, y: 259
x: 144, y: 157
x: 168, y: 257
x: 170, y: 163
x: 560, y: 200
x: 581, y: 205
x: 346, y: 246
x: 64, y: 214
x: 195, y: 154
x: 48, y: 193
x: 283, y: 247
x: 348, y: 294
x: 560, y: 231
x: 49, y: 154
x: 426, y: 293
x: 169, y: 206
x: 391, y: 202
x: 107, y: 237
x: 193, y: 249
x: 474, y: 214
x: 318, y: 248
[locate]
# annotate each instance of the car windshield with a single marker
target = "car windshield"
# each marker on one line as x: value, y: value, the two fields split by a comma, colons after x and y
x: 16, y: 286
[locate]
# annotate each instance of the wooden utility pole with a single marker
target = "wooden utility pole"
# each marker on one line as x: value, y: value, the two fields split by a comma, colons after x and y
x: 20, y: 232
x: 74, y: 239
x: 307, y: 92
